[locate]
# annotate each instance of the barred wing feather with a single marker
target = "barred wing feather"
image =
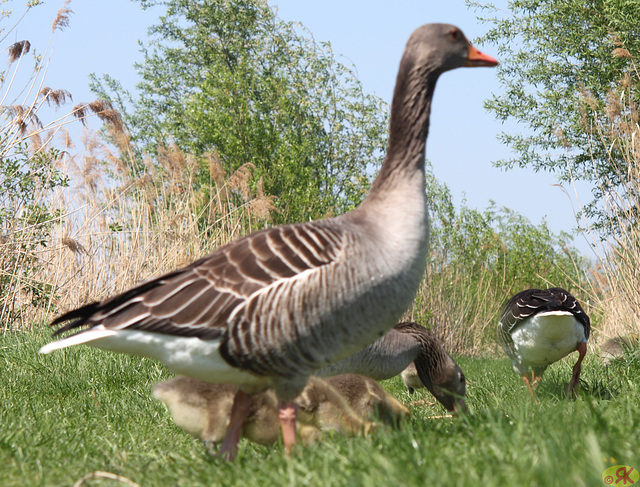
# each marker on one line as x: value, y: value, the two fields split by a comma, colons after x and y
x: 200, y: 299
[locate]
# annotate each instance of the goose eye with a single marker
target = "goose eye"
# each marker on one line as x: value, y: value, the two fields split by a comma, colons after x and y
x: 454, y: 34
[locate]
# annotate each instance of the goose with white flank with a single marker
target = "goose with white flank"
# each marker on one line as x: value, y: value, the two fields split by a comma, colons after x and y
x: 538, y: 327
x: 346, y: 404
x: 414, y: 352
x: 267, y: 310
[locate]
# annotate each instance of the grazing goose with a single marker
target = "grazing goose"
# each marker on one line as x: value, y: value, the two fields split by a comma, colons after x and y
x: 345, y: 404
x: 267, y: 310
x: 616, y: 347
x: 538, y: 327
x: 416, y: 353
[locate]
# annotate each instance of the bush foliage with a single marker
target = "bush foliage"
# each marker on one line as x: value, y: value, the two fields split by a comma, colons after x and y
x: 567, y: 68
x: 230, y: 80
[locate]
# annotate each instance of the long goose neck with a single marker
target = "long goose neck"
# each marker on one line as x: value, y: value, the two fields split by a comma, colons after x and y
x: 409, y: 123
x: 432, y: 359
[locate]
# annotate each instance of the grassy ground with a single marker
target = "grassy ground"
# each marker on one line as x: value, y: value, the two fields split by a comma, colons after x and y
x: 77, y: 411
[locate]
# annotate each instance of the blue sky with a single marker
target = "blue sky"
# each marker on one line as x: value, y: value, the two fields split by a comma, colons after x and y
x: 103, y: 38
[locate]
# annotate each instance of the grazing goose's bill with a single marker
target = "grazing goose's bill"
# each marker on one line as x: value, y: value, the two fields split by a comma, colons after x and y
x: 538, y: 327
x: 345, y: 404
x: 615, y: 348
x: 416, y: 353
x: 269, y: 309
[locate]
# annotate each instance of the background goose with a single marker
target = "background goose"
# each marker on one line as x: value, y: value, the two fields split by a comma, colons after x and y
x: 345, y: 404
x: 416, y: 353
x: 538, y: 327
x: 269, y: 309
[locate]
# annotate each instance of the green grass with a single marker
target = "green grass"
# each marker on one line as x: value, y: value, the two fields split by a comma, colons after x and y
x: 80, y: 410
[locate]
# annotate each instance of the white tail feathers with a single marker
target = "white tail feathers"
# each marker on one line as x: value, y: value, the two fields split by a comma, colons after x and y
x: 82, y: 337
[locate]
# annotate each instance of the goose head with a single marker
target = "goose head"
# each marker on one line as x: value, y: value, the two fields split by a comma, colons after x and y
x: 443, y: 47
x: 449, y: 387
x: 434, y: 368
x: 445, y: 381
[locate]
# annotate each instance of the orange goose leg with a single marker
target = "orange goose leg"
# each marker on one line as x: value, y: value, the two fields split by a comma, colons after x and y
x: 575, y: 378
x: 288, y: 412
x: 528, y: 382
x: 239, y: 410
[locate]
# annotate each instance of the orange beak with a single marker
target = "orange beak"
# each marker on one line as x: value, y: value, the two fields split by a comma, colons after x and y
x: 476, y: 58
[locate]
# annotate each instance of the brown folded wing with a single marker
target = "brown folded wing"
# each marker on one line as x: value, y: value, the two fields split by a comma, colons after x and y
x: 198, y: 300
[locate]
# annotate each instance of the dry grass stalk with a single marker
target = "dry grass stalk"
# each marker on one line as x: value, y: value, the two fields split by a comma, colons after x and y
x: 35, y: 268
x: 174, y: 163
x: 122, y: 141
x: 23, y: 117
x: 115, y: 232
x: 621, y: 52
x: 615, y: 280
x: 261, y: 207
x: 62, y: 18
x: 55, y: 97
x: 18, y: 49
x: 105, y: 475
x: 216, y: 169
x: 104, y: 110
x: 239, y: 180
x: 73, y: 245
x: 67, y: 143
x: 80, y: 112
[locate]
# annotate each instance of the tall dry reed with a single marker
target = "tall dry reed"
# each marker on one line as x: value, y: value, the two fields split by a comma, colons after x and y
x: 78, y: 223
x: 615, y: 279
x: 114, y: 231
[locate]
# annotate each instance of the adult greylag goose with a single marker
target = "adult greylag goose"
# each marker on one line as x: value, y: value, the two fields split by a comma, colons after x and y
x: 346, y: 404
x: 538, y: 327
x: 267, y: 310
x: 414, y: 352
